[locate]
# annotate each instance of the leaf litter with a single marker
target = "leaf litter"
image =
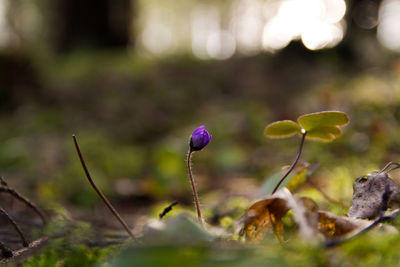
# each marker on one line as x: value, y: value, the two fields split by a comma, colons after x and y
x: 373, y: 195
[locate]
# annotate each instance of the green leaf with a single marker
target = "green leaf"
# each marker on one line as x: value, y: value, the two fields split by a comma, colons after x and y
x: 181, y: 229
x: 281, y: 129
x: 323, y: 119
x: 324, y: 134
x: 323, y: 126
x: 294, y: 180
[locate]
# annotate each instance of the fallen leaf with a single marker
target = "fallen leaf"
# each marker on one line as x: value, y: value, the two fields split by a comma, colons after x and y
x: 266, y: 216
x: 333, y: 226
x: 263, y: 215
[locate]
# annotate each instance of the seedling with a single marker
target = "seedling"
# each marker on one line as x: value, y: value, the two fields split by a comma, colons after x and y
x: 321, y: 126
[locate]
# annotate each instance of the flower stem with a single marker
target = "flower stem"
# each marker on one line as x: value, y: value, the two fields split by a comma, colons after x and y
x: 293, y: 164
x: 195, y: 196
x: 101, y: 195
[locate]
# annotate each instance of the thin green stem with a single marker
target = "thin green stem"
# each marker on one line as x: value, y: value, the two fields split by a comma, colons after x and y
x: 195, y: 196
x: 293, y: 164
x: 101, y: 195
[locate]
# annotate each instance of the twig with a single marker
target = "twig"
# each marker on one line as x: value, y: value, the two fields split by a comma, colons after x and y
x: 294, y: 162
x: 337, y: 242
x: 196, y: 198
x: 7, y: 189
x: 17, y: 256
x: 14, y: 224
x: 5, y: 251
x: 101, y: 195
x: 326, y: 196
x: 397, y: 165
x: 167, y: 209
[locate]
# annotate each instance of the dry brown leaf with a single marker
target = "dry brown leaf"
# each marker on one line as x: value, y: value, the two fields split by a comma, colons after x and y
x: 305, y: 217
x: 333, y: 226
x: 262, y: 216
x: 266, y: 216
x: 310, y: 218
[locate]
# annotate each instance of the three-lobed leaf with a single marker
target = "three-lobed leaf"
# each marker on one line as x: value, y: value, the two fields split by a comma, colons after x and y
x: 320, y: 126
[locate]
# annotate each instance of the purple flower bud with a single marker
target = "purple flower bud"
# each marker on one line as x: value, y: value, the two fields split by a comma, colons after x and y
x: 199, y: 139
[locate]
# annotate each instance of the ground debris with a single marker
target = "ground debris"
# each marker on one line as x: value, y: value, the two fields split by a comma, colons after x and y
x: 23, y: 253
x: 313, y: 224
x: 368, y: 200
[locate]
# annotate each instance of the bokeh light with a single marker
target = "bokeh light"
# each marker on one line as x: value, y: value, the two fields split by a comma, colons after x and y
x: 205, y: 21
x: 219, y: 30
x: 388, y: 32
x: 221, y: 45
x: 247, y: 24
x: 317, y: 23
x: 322, y: 35
x: 157, y: 35
x: 3, y: 23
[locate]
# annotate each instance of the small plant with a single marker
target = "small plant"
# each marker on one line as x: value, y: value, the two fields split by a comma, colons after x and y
x: 321, y: 126
x: 198, y: 140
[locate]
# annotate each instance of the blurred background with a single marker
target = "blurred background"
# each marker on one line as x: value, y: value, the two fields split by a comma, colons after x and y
x: 133, y: 78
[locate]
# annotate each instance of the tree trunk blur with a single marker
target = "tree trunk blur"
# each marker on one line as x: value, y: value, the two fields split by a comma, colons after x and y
x: 91, y: 23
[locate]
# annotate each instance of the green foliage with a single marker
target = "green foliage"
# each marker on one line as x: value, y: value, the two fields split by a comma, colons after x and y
x: 222, y: 254
x: 371, y: 249
x: 70, y: 249
x: 322, y: 119
x: 323, y: 126
x: 320, y: 126
x: 181, y: 229
x: 117, y: 124
x: 324, y: 134
x: 294, y: 179
x: 58, y: 255
x: 282, y: 129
